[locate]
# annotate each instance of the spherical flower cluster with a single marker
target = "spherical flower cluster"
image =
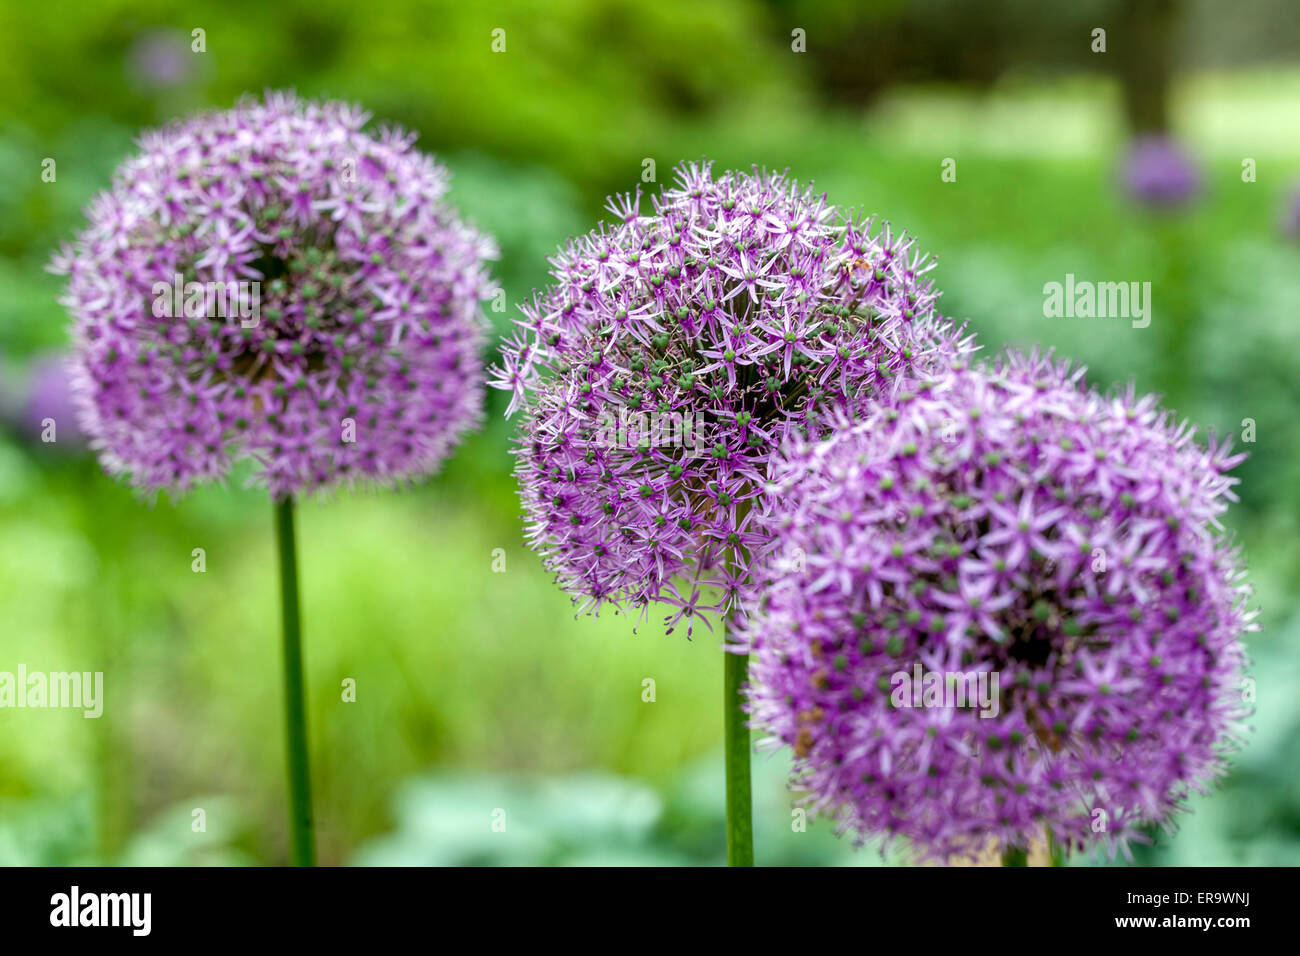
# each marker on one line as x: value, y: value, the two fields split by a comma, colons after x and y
x: 1001, y: 605
x: 48, y: 415
x: 1291, y: 213
x: 271, y: 281
x: 1159, y: 173
x: 670, y: 357
x: 161, y: 60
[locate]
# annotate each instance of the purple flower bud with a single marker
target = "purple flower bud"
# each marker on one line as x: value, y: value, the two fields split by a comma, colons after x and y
x: 1001, y: 605
x: 272, y: 282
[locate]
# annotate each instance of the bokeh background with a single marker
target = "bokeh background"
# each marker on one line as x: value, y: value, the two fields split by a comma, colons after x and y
x: 478, y: 689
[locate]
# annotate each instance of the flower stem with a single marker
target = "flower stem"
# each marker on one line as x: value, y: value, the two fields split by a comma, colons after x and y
x: 301, y: 838
x: 740, y: 813
x: 1016, y: 856
x: 1055, y: 852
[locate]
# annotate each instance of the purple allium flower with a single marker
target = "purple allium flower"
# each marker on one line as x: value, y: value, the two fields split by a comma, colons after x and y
x: 160, y: 59
x: 1001, y: 521
x: 272, y: 281
x: 1159, y: 173
x: 672, y: 354
x: 48, y: 411
x: 1291, y: 214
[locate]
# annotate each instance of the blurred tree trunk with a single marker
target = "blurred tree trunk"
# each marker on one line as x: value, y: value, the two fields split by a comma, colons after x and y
x: 1145, y: 43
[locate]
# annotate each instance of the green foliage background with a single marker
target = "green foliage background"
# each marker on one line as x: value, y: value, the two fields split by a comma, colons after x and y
x: 479, y: 690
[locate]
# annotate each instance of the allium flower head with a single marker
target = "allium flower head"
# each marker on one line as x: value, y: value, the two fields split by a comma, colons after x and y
x: 47, y: 407
x: 1001, y: 521
x: 1159, y: 173
x: 161, y: 59
x: 671, y: 355
x: 272, y: 281
x: 1291, y: 213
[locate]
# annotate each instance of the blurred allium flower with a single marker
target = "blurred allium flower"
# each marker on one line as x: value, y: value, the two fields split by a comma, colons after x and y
x: 160, y: 59
x: 48, y: 407
x: 1291, y: 213
x: 272, y: 281
x: 1159, y: 173
x: 671, y: 355
x: 1005, y: 522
